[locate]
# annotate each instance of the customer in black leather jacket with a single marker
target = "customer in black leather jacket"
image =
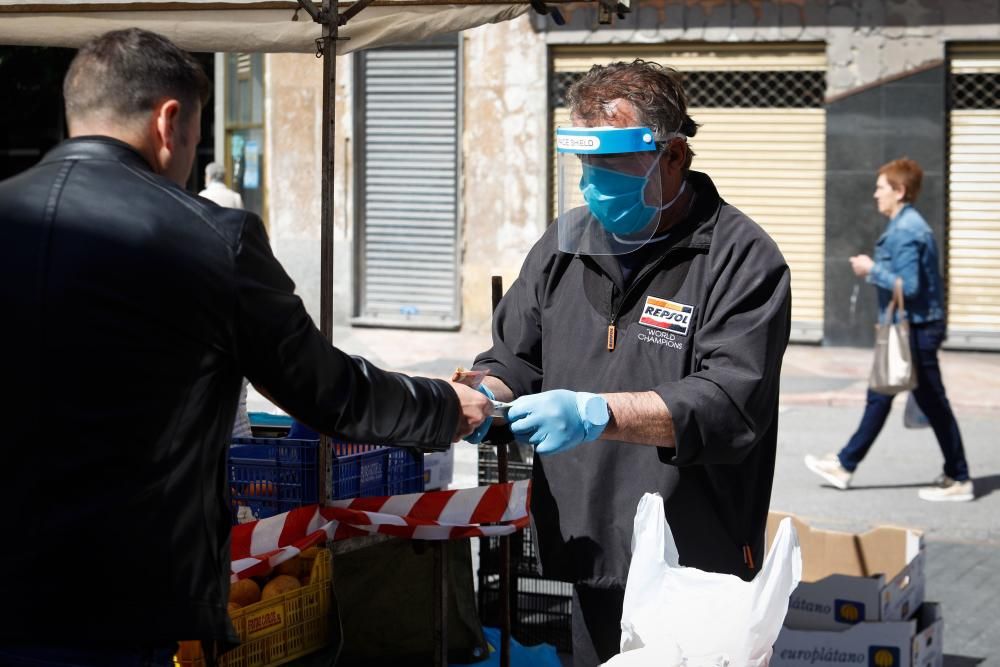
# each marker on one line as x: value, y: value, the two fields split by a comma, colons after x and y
x: 131, y: 311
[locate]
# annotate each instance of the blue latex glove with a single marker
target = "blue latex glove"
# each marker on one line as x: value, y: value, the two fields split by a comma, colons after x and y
x: 477, y: 436
x: 558, y: 420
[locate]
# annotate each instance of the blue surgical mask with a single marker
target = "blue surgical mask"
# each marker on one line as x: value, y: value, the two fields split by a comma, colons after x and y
x: 618, y: 200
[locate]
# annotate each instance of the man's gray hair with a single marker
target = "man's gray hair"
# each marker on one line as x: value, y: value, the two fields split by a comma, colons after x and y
x: 215, y: 173
x: 655, y: 92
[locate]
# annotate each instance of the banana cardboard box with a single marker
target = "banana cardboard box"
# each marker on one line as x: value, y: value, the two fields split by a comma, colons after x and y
x: 439, y: 469
x: 850, y: 578
x: 913, y: 643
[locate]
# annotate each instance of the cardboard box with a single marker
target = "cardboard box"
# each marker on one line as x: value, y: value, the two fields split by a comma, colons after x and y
x: 913, y: 643
x: 850, y: 578
x: 439, y: 469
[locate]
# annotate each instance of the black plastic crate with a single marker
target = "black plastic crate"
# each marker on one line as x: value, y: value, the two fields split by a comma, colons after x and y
x: 518, y: 464
x: 541, y: 609
x: 523, y: 558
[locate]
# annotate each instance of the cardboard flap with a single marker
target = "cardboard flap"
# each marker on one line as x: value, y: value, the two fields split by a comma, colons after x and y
x: 883, y: 551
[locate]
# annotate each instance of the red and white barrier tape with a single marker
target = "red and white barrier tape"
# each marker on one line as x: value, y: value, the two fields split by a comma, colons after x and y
x: 497, y: 509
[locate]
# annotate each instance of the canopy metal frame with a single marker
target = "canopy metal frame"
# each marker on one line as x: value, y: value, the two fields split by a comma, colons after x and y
x: 331, y: 19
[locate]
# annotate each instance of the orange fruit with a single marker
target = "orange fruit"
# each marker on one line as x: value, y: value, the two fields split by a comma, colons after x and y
x: 291, y: 567
x: 279, y: 586
x: 244, y: 592
x: 259, y: 488
x: 189, y: 652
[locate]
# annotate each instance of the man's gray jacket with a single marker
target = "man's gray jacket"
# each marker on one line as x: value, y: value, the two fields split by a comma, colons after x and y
x: 704, y: 323
x: 132, y: 309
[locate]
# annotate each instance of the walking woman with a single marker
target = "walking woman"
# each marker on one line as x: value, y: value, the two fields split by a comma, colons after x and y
x: 906, y: 250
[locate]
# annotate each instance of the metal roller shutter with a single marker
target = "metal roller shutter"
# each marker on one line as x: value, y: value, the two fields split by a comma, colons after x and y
x: 974, y: 199
x: 762, y: 140
x: 407, y: 187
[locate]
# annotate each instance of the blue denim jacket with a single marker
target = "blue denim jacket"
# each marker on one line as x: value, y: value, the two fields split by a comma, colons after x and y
x: 907, y: 250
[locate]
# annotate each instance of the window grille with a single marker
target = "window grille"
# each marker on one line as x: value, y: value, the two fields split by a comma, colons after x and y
x: 980, y: 90
x: 561, y: 82
x: 798, y: 89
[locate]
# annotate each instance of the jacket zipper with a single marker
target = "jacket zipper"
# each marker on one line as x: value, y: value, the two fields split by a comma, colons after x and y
x: 613, y: 319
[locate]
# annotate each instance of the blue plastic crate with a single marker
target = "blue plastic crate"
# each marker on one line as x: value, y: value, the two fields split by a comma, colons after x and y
x: 269, y: 476
x: 360, y: 470
x: 272, y: 475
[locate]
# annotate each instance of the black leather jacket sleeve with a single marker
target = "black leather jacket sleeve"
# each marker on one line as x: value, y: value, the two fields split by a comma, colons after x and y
x: 286, y: 356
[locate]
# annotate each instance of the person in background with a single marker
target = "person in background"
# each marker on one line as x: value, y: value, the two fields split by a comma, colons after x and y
x: 139, y: 307
x: 642, y: 342
x: 906, y: 250
x: 216, y: 190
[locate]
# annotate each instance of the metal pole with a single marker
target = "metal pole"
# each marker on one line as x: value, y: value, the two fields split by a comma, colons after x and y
x: 497, y: 285
x: 330, y: 28
x: 440, y: 587
x: 331, y: 25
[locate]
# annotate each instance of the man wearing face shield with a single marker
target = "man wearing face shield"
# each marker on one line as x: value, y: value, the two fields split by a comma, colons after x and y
x: 647, y: 325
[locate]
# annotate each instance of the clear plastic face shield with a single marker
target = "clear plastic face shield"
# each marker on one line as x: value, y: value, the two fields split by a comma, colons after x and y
x: 608, y: 188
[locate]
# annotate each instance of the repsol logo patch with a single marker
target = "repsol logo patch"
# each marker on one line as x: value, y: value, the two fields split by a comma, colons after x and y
x: 666, y: 315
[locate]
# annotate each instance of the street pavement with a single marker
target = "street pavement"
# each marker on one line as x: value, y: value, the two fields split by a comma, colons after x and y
x: 822, y: 397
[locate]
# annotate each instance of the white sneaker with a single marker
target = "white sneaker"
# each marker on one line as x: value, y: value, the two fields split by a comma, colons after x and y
x: 829, y: 469
x: 945, y: 489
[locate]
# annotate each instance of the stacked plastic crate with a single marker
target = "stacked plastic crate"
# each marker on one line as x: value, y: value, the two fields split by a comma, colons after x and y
x: 541, y: 608
x: 271, y: 475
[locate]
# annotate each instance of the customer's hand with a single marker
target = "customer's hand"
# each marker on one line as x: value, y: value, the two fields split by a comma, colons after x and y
x: 862, y: 265
x: 475, y: 409
x: 477, y: 436
x: 558, y: 420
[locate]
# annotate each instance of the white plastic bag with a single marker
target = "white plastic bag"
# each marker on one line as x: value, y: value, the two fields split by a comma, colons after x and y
x: 682, y: 616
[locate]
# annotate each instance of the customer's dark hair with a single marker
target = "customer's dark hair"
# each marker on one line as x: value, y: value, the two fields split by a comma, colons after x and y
x: 128, y: 72
x: 655, y: 91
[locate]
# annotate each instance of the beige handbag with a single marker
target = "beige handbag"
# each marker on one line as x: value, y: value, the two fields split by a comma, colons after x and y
x: 892, y: 369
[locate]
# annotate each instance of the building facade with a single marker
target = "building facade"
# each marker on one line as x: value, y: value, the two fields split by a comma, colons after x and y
x: 444, y: 155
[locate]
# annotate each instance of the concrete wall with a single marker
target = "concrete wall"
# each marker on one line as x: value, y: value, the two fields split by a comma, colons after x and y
x: 881, y: 55
x: 867, y: 40
x: 293, y: 125
x: 504, y: 144
x: 904, y: 116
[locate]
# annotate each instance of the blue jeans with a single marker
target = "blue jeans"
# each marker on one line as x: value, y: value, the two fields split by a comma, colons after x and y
x: 925, y: 339
x: 65, y: 656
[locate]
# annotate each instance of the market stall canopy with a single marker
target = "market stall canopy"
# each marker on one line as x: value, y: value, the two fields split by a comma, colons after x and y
x: 243, y: 25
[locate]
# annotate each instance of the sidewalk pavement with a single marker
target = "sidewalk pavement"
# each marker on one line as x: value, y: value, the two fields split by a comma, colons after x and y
x: 810, y: 374
x: 838, y: 376
x: 822, y: 395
